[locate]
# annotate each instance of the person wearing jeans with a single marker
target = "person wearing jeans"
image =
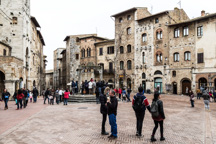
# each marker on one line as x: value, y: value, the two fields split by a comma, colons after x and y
x: 20, y: 96
x: 158, y: 119
x: 112, y: 105
x: 5, y: 97
x: 191, y: 95
x: 66, y: 97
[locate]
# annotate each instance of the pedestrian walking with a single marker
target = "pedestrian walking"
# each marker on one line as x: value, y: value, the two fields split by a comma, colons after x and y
x: 5, y: 97
x: 128, y: 94
x: 139, y: 104
x: 73, y: 87
x: 211, y: 96
x: 60, y: 94
x: 57, y: 96
x: 214, y: 95
x: 198, y: 93
x: 20, y: 96
x: 66, y: 97
x: 120, y: 93
x: 47, y: 94
x: 51, y: 97
x: 192, y: 98
x: 28, y: 95
x: 206, y: 98
x: 124, y: 94
x: 15, y: 96
x: 112, y: 104
x: 103, y: 110
x: 158, y: 116
x: 94, y: 86
x: 31, y: 95
x: 35, y: 94
x: 24, y: 98
x: 90, y: 87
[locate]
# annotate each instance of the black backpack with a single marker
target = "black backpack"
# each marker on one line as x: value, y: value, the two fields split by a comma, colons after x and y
x: 154, y: 109
x: 138, y: 104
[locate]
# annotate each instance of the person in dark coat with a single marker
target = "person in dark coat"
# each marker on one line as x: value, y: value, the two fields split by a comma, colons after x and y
x: 191, y: 95
x: 24, y: 98
x: 5, y: 98
x: 159, y: 119
x: 103, y: 110
x: 112, y: 104
x: 35, y: 94
x: 47, y: 93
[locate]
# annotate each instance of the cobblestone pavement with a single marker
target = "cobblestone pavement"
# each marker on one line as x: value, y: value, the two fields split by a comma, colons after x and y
x: 81, y: 124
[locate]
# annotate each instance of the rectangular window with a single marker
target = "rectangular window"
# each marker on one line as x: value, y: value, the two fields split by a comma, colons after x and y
x: 185, y: 31
x: 200, y: 58
x: 176, y: 33
x: 156, y: 20
x: 200, y: 31
x: 110, y: 50
x: 110, y: 66
x: 77, y: 56
x: 101, y: 51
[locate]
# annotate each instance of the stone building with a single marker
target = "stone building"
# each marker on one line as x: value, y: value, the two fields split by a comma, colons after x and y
x: 57, y: 68
x: 63, y: 70
x: 125, y: 45
x: 105, y: 57
x: 22, y: 47
x: 152, y: 49
x: 49, y: 79
x: 193, y: 54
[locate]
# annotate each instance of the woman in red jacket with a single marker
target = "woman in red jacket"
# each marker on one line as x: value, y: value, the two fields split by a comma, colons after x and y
x: 66, y: 97
x: 19, y: 99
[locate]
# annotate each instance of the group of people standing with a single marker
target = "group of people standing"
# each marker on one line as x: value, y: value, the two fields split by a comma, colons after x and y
x: 109, y: 104
x: 208, y: 96
x: 21, y: 97
x: 59, y: 95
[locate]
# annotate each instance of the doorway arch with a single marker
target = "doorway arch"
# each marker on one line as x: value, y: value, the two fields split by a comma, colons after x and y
x: 158, y: 83
x: 186, y: 86
x: 202, y: 83
x: 2, y: 79
x: 174, y: 85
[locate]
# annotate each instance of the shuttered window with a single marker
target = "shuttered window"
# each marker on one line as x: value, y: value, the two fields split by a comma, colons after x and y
x: 200, y: 58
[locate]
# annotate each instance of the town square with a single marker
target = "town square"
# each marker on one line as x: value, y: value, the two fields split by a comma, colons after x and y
x: 98, y: 71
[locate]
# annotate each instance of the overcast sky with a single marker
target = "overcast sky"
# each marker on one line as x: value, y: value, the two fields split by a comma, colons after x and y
x: 59, y: 18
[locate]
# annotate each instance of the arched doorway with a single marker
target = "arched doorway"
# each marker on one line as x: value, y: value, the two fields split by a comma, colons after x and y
x: 174, y: 84
x: 121, y: 83
x: 129, y: 83
x: 158, y: 83
x: 2, y: 78
x: 202, y: 83
x: 186, y: 86
x: 215, y: 84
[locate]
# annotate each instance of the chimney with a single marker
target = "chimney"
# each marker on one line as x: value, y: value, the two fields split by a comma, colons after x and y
x: 202, y: 13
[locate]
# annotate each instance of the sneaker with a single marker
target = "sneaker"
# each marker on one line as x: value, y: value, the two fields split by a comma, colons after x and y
x: 162, y: 139
x: 104, y: 133
x: 153, y: 139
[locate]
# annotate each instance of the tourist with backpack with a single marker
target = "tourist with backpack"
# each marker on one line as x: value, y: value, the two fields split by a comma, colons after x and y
x: 139, y: 104
x: 158, y: 116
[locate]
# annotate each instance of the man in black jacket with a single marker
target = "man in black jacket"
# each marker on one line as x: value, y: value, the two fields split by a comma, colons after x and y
x: 103, y: 110
x: 24, y: 98
x: 112, y: 112
x: 47, y: 93
x: 35, y: 94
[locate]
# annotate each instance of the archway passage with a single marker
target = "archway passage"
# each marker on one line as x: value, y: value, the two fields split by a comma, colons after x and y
x: 186, y: 86
x: 174, y: 87
x: 120, y: 83
x: 158, y: 84
x: 215, y: 84
x: 202, y: 83
x: 2, y: 78
x: 128, y: 83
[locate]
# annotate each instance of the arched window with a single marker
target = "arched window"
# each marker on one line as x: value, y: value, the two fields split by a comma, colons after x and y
x: 159, y: 34
x: 187, y: 56
x: 129, y: 65
x: 159, y: 57
x: 176, y: 57
x: 121, y: 65
x: 143, y: 75
x: 121, y: 49
x: 174, y: 73
x: 88, y: 52
x: 144, y: 37
x: 143, y: 57
x: 83, y: 53
x: 129, y: 48
x: 158, y: 72
x: 129, y: 31
x: 4, y: 52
